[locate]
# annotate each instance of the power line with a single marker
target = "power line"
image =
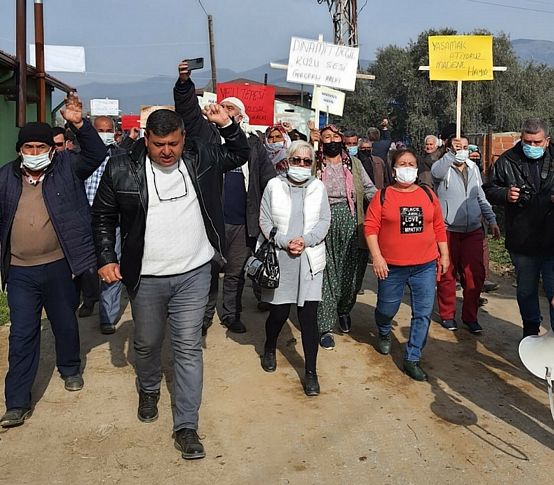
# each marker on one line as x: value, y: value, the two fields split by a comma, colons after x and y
x: 511, y: 6
x: 199, y: 1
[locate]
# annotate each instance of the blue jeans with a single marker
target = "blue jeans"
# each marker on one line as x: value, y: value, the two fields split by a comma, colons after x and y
x: 180, y: 299
x: 421, y: 280
x: 529, y: 269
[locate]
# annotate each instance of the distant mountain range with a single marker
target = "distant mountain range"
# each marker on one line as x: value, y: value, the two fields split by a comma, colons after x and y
x: 158, y: 90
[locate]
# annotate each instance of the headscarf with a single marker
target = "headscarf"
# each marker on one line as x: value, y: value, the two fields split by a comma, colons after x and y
x: 321, y: 173
x: 277, y: 155
x: 245, y: 122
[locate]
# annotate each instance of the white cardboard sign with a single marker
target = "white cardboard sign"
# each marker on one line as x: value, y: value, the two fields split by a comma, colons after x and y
x: 321, y: 63
x: 60, y: 58
x: 328, y: 100
x: 104, y: 107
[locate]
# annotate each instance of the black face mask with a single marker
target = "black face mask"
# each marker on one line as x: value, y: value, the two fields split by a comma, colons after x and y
x: 332, y: 148
x: 364, y: 154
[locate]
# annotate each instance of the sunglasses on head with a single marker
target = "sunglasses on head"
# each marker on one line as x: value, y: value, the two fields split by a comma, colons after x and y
x: 304, y: 162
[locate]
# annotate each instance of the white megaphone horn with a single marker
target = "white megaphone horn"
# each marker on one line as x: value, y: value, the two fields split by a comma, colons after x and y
x: 537, y: 355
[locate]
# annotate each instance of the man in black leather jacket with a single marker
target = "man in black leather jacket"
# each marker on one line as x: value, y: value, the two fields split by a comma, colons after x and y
x: 522, y: 181
x: 167, y: 203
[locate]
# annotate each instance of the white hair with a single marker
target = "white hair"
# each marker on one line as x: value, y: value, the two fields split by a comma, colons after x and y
x: 298, y: 145
x: 432, y: 137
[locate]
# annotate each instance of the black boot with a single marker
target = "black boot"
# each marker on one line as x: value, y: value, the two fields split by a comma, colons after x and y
x: 311, y: 384
x: 148, y: 406
x: 269, y: 361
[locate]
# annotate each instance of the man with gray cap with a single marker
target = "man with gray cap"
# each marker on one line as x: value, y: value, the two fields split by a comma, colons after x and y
x: 242, y: 193
x: 46, y: 240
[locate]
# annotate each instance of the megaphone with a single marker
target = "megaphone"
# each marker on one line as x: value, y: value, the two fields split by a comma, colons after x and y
x: 537, y: 355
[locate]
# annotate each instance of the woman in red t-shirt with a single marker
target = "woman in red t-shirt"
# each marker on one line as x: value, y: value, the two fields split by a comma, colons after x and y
x: 406, y: 236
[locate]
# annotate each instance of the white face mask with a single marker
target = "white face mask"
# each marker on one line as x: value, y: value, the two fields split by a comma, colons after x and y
x: 36, y: 162
x: 299, y: 174
x: 406, y: 175
x: 107, y: 138
x: 461, y: 156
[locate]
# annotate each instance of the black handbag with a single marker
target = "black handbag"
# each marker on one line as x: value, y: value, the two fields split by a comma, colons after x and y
x: 263, y: 267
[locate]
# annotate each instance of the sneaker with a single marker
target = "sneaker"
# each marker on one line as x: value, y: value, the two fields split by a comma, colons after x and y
x: 311, y: 384
x: 327, y: 341
x: 450, y: 324
x: 14, y: 417
x: 482, y: 301
x: 412, y: 368
x: 188, y: 443
x: 384, y: 344
x: 345, y: 323
x: 86, y: 309
x: 107, y: 328
x: 148, y: 406
x: 474, y: 327
x: 234, y: 325
x: 74, y: 383
x: 489, y: 286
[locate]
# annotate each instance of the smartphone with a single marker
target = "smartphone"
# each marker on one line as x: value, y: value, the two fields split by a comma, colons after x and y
x: 194, y: 64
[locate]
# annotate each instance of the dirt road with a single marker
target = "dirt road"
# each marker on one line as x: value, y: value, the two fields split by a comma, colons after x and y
x: 481, y: 418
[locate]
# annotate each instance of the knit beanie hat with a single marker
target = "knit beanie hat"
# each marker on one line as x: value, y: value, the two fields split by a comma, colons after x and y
x: 34, y: 131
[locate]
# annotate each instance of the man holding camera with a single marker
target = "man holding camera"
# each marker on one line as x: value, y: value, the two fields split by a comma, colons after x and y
x: 522, y: 180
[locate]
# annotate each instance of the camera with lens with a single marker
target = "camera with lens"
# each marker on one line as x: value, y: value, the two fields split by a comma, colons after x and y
x: 525, y: 195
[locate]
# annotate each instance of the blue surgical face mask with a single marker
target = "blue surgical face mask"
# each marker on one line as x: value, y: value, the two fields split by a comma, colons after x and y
x: 532, y: 152
x: 276, y: 146
x: 353, y: 151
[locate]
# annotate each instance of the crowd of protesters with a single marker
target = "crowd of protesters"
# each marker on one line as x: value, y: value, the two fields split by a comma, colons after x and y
x: 83, y: 211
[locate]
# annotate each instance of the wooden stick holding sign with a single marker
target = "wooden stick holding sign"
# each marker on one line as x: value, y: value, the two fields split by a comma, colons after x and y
x: 460, y: 58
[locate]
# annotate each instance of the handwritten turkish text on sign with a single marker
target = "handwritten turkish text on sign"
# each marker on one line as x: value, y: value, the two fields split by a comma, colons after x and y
x: 314, y: 62
x: 258, y: 100
x: 328, y: 100
x: 460, y: 58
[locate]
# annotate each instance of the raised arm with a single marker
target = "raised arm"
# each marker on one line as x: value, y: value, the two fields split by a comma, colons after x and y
x: 93, y: 150
x: 186, y: 105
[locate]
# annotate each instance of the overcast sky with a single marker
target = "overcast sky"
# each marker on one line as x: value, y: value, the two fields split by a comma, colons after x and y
x: 133, y: 39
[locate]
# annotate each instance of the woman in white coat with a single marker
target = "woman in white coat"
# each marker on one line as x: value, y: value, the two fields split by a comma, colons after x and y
x: 296, y: 204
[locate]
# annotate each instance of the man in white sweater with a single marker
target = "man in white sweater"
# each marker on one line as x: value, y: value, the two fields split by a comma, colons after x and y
x: 167, y: 201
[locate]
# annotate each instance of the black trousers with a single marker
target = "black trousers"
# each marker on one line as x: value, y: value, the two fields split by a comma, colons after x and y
x: 30, y: 289
x: 237, y: 251
x: 307, y: 314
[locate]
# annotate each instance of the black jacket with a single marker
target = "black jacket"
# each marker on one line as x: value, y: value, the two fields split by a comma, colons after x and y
x: 529, y: 226
x: 65, y: 199
x: 260, y: 168
x: 122, y: 199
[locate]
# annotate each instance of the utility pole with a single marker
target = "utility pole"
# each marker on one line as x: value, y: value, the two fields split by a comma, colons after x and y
x: 212, y: 52
x: 39, y: 55
x: 21, y: 58
x: 345, y: 21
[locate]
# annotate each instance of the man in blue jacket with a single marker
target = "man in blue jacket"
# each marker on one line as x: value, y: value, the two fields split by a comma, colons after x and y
x: 458, y: 186
x: 46, y: 240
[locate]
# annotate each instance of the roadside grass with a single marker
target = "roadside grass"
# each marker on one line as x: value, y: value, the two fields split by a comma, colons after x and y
x: 4, y: 312
x: 499, y: 257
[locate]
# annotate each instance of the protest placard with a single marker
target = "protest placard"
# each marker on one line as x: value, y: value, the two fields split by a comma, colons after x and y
x: 460, y: 58
x: 60, y: 58
x: 130, y: 121
x: 146, y: 111
x: 104, y: 107
x: 316, y: 62
x: 258, y: 100
x: 328, y: 100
